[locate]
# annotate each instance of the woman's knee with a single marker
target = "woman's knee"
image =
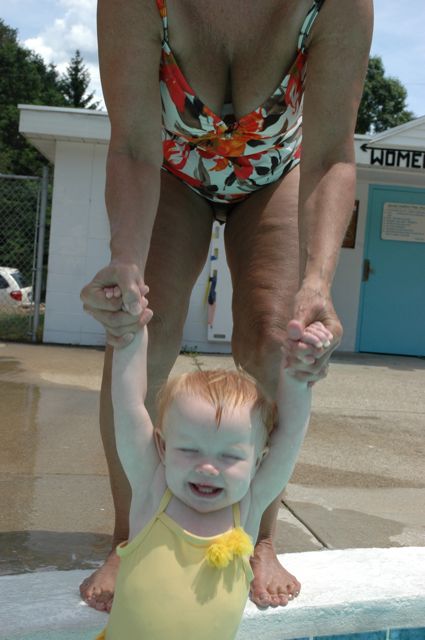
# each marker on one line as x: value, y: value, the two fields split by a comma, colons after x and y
x: 258, y: 351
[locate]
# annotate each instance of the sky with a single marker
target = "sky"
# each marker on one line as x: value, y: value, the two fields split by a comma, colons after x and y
x: 56, y: 28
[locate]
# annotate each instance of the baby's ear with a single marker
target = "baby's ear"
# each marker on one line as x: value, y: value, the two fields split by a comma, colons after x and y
x: 160, y: 443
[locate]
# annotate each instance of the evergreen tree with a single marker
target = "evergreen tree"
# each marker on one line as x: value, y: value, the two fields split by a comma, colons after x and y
x: 24, y: 79
x: 383, y: 104
x: 74, y: 84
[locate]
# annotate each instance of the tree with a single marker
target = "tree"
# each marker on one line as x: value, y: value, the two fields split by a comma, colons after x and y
x: 74, y: 84
x: 24, y: 78
x: 383, y: 104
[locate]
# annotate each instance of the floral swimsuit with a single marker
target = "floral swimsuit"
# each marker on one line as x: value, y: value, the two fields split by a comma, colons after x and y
x: 225, y: 162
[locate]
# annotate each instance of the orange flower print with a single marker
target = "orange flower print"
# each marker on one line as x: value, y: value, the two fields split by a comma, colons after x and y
x: 162, y: 8
x: 175, y: 81
x: 176, y: 153
x: 190, y: 180
x: 253, y: 123
x: 243, y: 168
x: 220, y: 164
x: 294, y: 89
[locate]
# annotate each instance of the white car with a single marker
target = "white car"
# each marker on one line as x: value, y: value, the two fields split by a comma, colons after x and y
x: 14, y: 291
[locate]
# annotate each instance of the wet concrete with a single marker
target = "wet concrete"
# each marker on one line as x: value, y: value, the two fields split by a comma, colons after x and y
x: 359, y: 482
x: 26, y: 551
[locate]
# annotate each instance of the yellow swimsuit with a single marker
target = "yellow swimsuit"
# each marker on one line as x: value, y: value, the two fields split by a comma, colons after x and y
x: 173, y: 584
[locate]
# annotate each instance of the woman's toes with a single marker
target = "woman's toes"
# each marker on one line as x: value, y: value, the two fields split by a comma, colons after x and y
x: 278, y: 600
x: 261, y: 599
x: 293, y: 590
x: 274, y: 600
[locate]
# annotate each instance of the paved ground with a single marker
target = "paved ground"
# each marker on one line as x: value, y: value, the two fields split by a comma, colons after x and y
x: 359, y: 482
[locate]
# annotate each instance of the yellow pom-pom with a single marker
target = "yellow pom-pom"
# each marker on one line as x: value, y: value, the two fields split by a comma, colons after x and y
x: 218, y: 555
x: 240, y: 542
x: 233, y: 543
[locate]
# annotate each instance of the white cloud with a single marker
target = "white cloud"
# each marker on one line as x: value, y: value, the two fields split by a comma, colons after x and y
x: 398, y: 39
x: 68, y: 25
x: 75, y: 29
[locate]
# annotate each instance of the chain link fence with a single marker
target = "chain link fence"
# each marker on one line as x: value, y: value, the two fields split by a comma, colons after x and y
x: 23, y: 202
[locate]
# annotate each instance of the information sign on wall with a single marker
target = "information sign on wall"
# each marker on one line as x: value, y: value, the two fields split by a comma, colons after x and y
x: 405, y: 222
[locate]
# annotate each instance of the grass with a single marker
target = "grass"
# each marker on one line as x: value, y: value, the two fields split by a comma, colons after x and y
x: 16, y: 326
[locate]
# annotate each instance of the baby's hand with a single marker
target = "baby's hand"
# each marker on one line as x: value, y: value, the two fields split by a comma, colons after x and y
x: 115, y: 292
x: 318, y: 336
x: 112, y: 292
x: 312, y: 344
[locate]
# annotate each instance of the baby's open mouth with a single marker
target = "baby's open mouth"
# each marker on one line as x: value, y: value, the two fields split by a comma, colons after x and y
x: 205, y: 490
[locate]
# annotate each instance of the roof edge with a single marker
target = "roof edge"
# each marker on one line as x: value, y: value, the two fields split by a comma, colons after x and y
x: 86, y: 112
x: 400, y: 128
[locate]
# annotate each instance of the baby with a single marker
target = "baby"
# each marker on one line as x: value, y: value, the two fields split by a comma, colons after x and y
x: 201, y: 479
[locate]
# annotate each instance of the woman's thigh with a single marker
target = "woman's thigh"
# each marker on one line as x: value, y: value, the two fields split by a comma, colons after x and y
x: 178, y: 250
x: 261, y: 240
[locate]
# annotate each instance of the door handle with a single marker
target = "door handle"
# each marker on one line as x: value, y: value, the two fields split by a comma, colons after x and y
x: 367, y: 270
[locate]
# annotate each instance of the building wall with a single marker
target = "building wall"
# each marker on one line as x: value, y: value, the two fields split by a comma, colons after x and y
x: 79, y: 248
x: 78, y: 241
x: 348, y: 278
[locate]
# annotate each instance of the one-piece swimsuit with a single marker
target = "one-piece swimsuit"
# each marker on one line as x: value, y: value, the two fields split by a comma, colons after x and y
x: 174, y: 584
x: 222, y: 158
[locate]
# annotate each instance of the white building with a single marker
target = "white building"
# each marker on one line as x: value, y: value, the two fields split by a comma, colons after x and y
x: 379, y: 287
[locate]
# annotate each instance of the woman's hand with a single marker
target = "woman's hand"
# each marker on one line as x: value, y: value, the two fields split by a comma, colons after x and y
x: 308, y: 351
x: 116, y: 298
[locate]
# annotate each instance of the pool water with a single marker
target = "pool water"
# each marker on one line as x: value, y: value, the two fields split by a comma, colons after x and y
x: 393, y: 634
x: 56, y: 634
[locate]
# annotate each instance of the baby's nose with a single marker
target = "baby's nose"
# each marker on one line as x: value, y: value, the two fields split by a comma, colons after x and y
x: 208, y: 469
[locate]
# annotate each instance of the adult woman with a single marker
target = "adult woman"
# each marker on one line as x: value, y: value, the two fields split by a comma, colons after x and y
x: 285, y: 220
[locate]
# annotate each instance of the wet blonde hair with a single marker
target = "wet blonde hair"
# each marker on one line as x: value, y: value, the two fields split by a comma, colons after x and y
x: 223, y: 389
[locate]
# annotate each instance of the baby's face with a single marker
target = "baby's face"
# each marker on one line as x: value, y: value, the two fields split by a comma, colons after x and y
x: 206, y: 467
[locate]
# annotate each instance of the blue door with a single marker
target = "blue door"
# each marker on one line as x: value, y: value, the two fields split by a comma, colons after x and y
x: 392, y: 305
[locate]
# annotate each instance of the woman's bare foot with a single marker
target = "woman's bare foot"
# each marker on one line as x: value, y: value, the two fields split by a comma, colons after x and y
x: 98, y: 589
x: 272, y: 585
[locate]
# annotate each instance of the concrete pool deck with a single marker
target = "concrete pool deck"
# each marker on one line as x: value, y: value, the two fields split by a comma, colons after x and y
x: 379, y: 607
x: 359, y: 481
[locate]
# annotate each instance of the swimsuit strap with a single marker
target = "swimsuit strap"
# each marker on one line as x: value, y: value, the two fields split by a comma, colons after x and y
x: 164, y: 501
x: 162, y: 7
x: 168, y: 495
x: 236, y: 515
x: 308, y: 23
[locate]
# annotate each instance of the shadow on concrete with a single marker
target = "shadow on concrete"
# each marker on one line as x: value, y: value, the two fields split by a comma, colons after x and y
x: 390, y: 361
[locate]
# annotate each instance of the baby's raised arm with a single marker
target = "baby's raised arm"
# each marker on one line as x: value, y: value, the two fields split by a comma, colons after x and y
x: 133, y: 426
x: 294, y: 405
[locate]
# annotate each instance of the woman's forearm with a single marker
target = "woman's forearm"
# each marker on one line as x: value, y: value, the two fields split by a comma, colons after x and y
x: 132, y: 195
x: 326, y: 204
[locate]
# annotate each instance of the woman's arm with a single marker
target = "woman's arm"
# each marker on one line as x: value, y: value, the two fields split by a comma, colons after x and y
x: 337, y: 63
x: 336, y: 68
x: 129, y: 35
x: 133, y: 426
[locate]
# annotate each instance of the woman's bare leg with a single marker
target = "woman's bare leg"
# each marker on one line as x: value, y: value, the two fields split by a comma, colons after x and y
x: 179, y: 248
x: 261, y: 239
